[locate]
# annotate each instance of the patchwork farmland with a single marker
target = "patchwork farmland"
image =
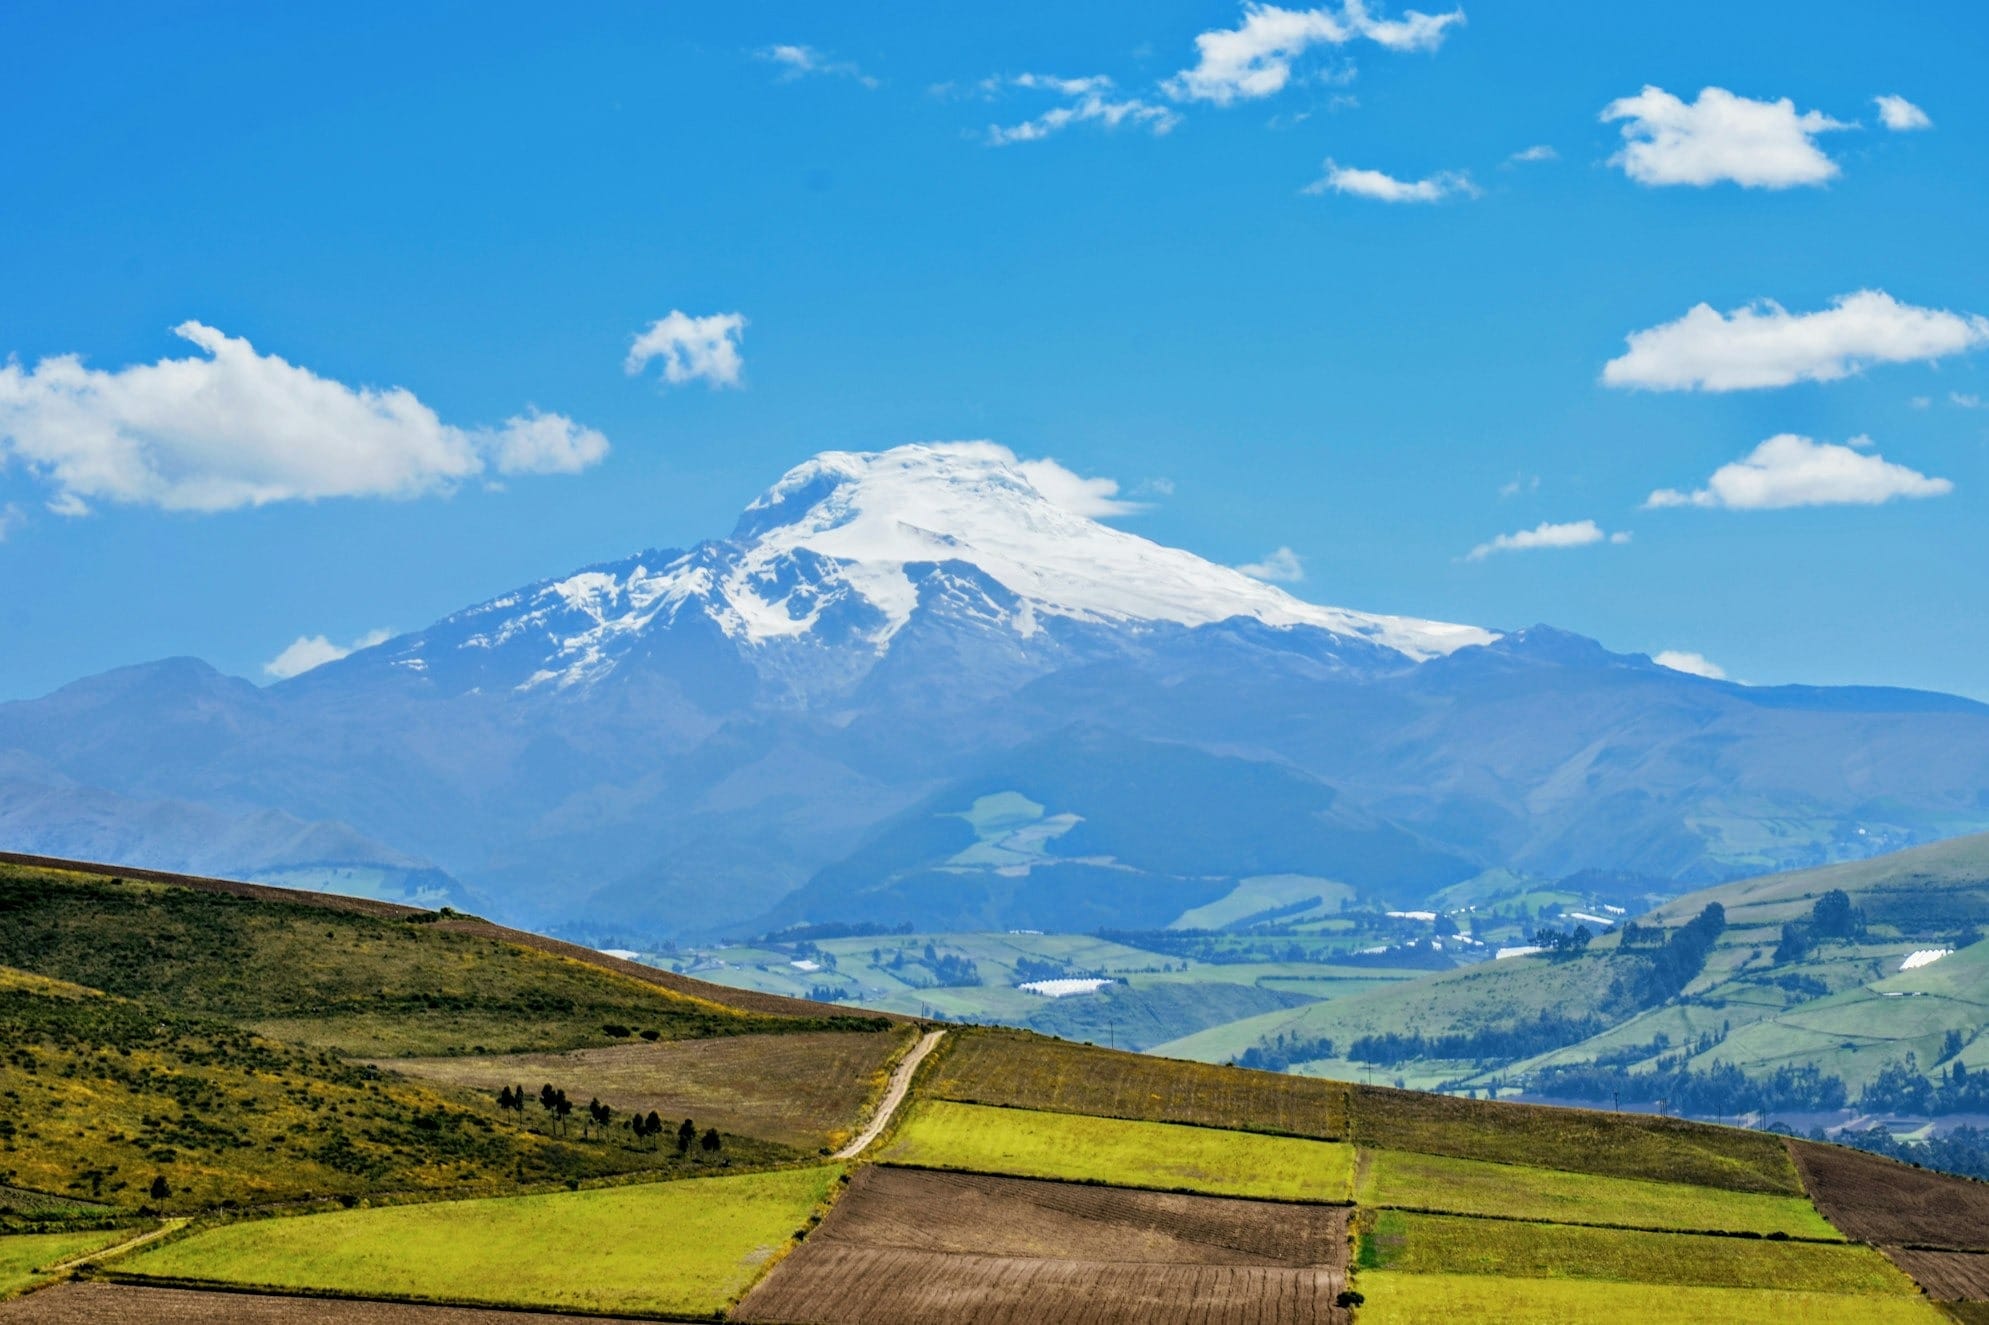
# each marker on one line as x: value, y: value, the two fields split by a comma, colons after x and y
x: 364, y: 1160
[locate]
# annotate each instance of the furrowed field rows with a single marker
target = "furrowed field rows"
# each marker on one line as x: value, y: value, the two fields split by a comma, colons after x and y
x: 701, y: 1242
x: 1476, y: 1299
x: 1452, y: 1244
x: 913, y: 1247
x: 1948, y: 1276
x: 1165, y: 1156
x: 1585, y: 1141
x: 985, y: 1066
x: 804, y: 1090
x: 1473, y: 1187
x: 1887, y: 1203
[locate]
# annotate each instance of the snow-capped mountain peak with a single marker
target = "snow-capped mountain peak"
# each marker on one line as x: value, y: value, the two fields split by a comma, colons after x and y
x: 875, y: 513
x: 841, y: 550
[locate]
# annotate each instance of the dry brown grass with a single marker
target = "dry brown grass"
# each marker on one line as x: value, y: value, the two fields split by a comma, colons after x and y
x: 805, y: 1090
x: 1020, y: 1070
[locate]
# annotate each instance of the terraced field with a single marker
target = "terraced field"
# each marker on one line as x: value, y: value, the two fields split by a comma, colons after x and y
x: 1164, y: 1156
x: 920, y: 1248
x: 1476, y: 1299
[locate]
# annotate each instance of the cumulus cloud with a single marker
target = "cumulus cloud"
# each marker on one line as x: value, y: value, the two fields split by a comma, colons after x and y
x: 1694, y: 664
x: 690, y: 348
x: 1537, y: 152
x: 1900, y: 115
x: 1255, y: 58
x: 1097, y: 498
x: 1765, y: 345
x: 1086, y: 101
x: 309, y: 651
x: 1386, y: 188
x: 1574, y: 533
x: 1283, y: 566
x: 238, y: 428
x: 1788, y: 470
x: 797, y: 61
x: 1755, y: 144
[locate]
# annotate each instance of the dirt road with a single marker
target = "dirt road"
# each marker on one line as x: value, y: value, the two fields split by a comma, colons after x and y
x: 901, y: 1081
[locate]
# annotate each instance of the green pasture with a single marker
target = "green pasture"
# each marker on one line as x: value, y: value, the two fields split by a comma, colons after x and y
x: 1393, y: 1178
x: 689, y: 1247
x: 1166, y: 1156
x: 1477, y: 1299
x: 24, y: 1255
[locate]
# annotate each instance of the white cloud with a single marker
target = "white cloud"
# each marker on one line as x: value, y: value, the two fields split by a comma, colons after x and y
x: 1283, y: 566
x: 1756, y: 144
x: 1900, y: 115
x: 1787, y: 470
x: 1519, y: 483
x: 1386, y: 188
x: 1537, y: 152
x: 238, y: 428
x: 1965, y: 399
x: 1087, y: 100
x: 12, y: 517
x: 1765, y: 345
x: 797, y: 61
x: 1254, y: 59
x: 1097, y: 498
x: 690, y: 348
x: 1575, y: 533
x: 309, y: 651
x: 1694, y: 664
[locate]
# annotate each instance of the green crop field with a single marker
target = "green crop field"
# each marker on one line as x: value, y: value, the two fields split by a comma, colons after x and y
x: 673, y: 1247
x: 1472, y: 1187
x: 1454, y: 1244
x: 1582, y: 1140
x: 1166, y: 1156
x: 1476, y: 1299
x: 1024, y: 1071
x: 23, y: 1254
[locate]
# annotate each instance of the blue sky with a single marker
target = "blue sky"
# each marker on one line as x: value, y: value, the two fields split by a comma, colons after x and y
x: 485, y: 206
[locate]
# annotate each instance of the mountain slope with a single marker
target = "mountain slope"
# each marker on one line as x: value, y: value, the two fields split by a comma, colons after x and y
x: 676, y: 742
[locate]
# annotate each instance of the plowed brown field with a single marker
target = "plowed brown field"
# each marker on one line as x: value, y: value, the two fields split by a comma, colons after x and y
x: 1889, y: 1204
x: 94, y: 1304
x: 1948, y: 1276
x: 918, y: 1247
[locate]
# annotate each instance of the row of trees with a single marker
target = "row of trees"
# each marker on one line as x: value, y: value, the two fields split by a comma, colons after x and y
x: 1520, y: 1039
x: 644, y: 1127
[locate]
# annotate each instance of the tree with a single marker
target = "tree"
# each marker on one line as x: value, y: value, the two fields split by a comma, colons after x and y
x: 711, y: 1143
x: 685, y: 1135
x: 562, y: 1106
x: 159, y: 1190
x: 504, y: 1098
x: 1835, y: 918
x: 653, y: 1125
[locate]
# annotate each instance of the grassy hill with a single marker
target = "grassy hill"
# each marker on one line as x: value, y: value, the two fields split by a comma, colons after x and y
x: 1786, y: 996
x: 216, y: 1100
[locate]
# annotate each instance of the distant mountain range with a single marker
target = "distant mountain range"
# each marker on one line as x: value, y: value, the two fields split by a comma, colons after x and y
x: 919, y: 685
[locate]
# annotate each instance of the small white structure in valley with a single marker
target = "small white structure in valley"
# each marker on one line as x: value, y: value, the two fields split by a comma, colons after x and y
x: 1063, y: 988
x: 1523, y: 950
x: 1925, y: 957
x: 803, y: 964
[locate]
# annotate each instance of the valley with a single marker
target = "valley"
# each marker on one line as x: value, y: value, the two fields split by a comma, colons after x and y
x: 228, y: 1160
